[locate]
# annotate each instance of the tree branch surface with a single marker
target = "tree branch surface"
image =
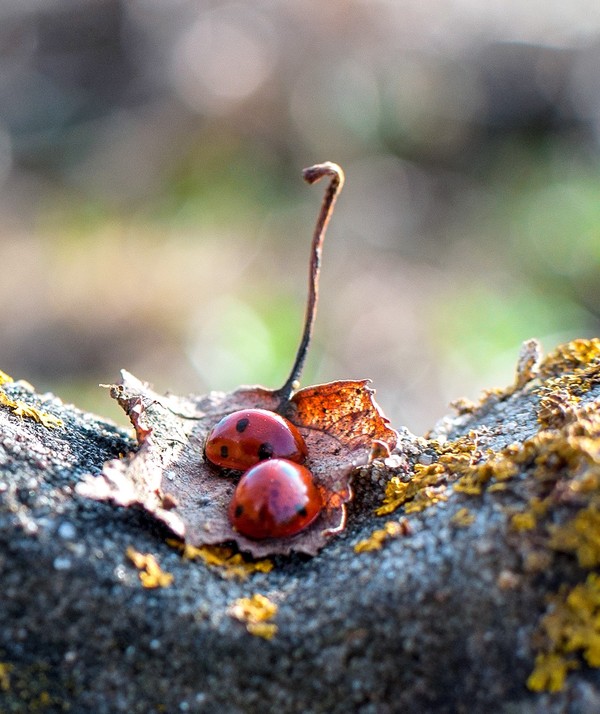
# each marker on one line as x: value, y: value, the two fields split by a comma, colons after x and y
x: 466, y: 579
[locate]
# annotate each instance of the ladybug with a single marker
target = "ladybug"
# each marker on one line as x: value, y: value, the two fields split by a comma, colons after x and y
x: 246, y: 437
x: 275, y: 499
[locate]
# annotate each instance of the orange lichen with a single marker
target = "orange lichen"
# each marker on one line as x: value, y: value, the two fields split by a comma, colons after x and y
x: 392, y: 529
x: 231, y: 563
x: 151, y: 575
x: 255, y: 612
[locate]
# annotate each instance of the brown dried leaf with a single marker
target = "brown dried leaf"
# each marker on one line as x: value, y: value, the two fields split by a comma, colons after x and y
x: 170, y: 479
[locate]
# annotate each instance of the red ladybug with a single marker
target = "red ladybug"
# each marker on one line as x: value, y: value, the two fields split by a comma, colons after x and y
x: 275, y: 499
x: 244, y: 438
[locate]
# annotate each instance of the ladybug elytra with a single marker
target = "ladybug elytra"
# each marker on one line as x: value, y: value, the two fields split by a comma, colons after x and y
x: 246, y: 437
x: 275, y: 499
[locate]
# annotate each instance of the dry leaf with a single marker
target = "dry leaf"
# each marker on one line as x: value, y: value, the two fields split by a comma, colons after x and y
x: 170, y: 479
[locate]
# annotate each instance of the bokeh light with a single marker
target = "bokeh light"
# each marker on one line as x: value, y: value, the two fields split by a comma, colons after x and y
x: 153, y: 217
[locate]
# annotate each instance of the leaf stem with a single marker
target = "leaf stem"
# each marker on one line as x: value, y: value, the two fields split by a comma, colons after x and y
x: 312, y: 175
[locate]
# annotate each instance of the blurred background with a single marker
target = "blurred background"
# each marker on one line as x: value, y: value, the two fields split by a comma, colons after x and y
x: 153, y: 216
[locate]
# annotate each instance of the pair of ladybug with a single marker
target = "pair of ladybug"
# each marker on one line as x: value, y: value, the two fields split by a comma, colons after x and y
x: 276, y: 497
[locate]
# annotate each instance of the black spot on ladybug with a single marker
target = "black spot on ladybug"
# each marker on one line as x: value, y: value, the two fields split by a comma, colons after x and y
x: 301, y: 511
x: 239, y: 510
x: 265, y: 451
x: 224, y: 452
x: 240, y: 427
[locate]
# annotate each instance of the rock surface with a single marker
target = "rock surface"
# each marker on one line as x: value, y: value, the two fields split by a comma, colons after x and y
x: 444, y: 617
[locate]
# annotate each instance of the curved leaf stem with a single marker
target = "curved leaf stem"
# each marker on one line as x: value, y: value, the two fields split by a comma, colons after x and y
x: 312, y: 175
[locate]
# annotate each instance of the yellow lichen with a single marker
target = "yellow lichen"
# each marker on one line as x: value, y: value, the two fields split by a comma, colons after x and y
x: 469, y: 484
x: 563, y: 462
x: 426, y: 497
x: 255, y: 612
x: 232, y: 564
x: 575, y: 365
x: 461, y: 463
x: 151, y: 575
x: 398, y: 492
x: 523, y: 521
x: 25, y: 411
x: 460, y: 456
x: 549, y: 673
x: 580, y: 535
x: 5, y: 669
x: 570, y: 371
x: 463, y: 518
x: 266, y: 630
x: 486, y: 467
x: 574, y: 449
x: 427, y: 485
x: 392, y: 529
x: 569, y: 441
x: 555, y: 406
x: 498, y: 466
x: 571, y: 627
x: 567, y: 452
x: 573, y: 356
x: 528, y: 519
x: 540, y: 506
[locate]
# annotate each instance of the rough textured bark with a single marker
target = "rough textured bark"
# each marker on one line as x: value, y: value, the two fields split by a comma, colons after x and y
x: 445, y: 610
